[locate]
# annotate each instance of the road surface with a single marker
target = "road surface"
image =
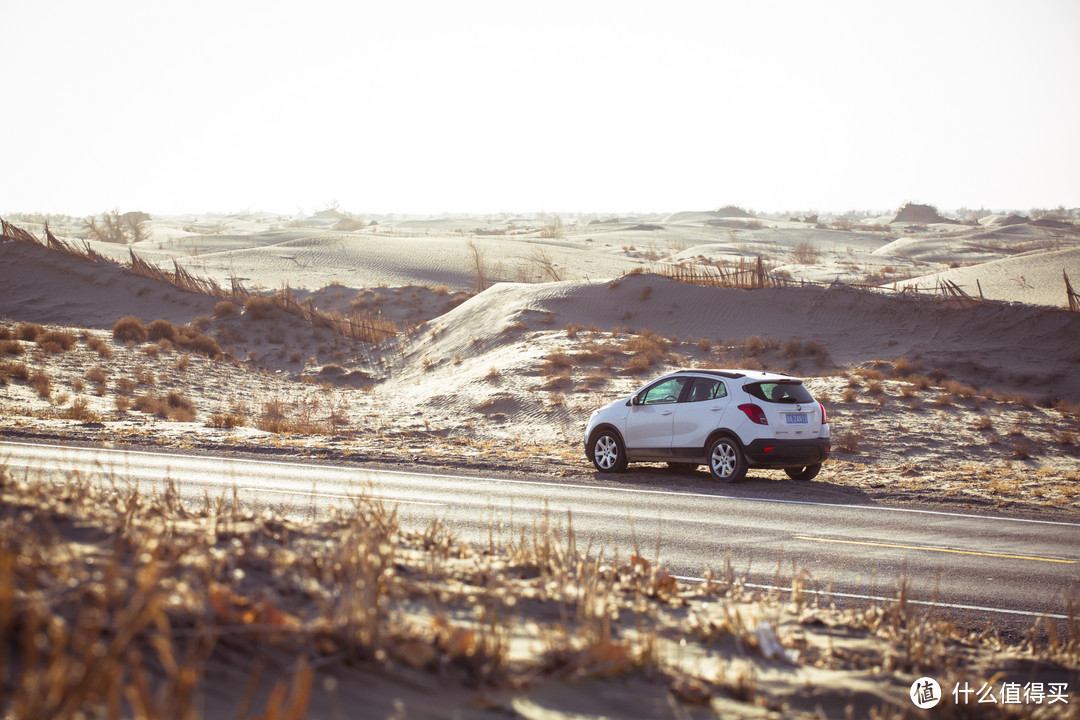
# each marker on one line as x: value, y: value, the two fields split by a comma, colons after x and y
x: 972, y: 565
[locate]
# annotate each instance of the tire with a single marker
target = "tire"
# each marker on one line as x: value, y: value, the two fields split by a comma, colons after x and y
x: 726, y: 461
x: 804, y: 473
x: 607, y: 452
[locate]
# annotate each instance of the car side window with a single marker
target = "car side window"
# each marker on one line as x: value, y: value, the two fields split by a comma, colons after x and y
x: 664, y: 392
x: 706, y: 389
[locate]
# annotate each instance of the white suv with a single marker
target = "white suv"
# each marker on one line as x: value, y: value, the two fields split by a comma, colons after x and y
x: 730, y: 420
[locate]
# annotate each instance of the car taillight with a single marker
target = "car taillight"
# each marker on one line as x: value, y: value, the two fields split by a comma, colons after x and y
x: 824, y: 417
x: 756, y: 414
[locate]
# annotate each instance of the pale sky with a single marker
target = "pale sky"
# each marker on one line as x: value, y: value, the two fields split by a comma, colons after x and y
x: 430, y: 107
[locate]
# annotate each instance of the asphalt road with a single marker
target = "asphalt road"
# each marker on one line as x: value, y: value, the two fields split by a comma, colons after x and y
x: 973, y: 566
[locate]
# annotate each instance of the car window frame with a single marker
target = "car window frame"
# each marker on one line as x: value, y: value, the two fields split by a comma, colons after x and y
x: 678, y: 398
x: 696, y: 378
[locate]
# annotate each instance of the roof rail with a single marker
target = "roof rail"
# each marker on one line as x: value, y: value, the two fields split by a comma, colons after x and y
x: 721, y: 373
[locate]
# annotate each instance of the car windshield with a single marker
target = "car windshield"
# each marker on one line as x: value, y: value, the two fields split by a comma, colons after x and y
x: 785, y: 391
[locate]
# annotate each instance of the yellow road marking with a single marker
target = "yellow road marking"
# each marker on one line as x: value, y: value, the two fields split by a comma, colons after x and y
x: 934, y: 549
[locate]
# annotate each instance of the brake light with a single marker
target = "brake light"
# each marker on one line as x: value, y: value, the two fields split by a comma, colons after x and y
x: 824, y: 417
x: 768, y: 449
x: 756, y: 414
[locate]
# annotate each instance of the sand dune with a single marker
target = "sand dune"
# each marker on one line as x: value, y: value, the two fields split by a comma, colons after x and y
x: 46, y: 287
x: 1033, y: 277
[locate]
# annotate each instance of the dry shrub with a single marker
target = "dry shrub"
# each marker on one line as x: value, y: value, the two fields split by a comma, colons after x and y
x: 28, y: 331
x: 805, y: 254
x: 122, y: 403
x: 638, y: 365
x: 850, y: 439
x: 557, y: 380
x: 556, y: 361
x: 161, y: 329
x: 97, y: 374
x: 19, y: 371
x: 757, y: 345
x: 984, y: 423
x: 152, y: 405
x: 870, y: 373
x: 99, y: 346
x: 260, y: 307
x: 182, y: 362
x: 902, y: 368
x: 225, y: 308
x: 11, y: 347
x: 227, y: 421
x: 274, y: 417
x: 80, y: 410
x: 792, y: 349
x: 172, y: 406
x: 875, y: 388
x: 815, y: 349
x: 152, y: 351
x: 191, y: 338
x: 129, y: 328
x: 125, y: 386
x: 704, y: 344
x: 1019, y: 398
x: 5, y: 333
x: 954, y: 387
x: 572, y: 330
x: 56, y: 341
x: 145, y: 376
x: 646, y: 347
x: 201, y: 322
x: 849, y: 395
x: 42, y: 384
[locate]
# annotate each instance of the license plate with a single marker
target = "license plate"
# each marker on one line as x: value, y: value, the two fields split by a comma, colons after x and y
x: 797, y: 419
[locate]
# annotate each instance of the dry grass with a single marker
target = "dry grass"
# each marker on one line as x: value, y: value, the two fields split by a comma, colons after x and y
x: 28, y: 332
x: 172, y: 406
x: 80, y: 410
x: 41, y: 382
x: 805, y: 254
x: 56, y: 341
x: 129, y: 329
x: 11, y: 347
x: 18, y: 371
x: 227, y: 420
x: 98, y: 345
x: 224, y: 309
x: 157, y: 591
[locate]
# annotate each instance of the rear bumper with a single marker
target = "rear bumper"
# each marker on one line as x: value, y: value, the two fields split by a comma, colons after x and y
x: 787, y: 453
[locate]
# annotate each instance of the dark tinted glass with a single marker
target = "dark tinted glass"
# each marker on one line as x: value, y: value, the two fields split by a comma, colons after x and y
x: 706, y: 389
x: 780, y: 392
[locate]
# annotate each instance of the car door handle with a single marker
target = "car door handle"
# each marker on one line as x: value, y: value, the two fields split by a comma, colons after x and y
x: 666, y: 413
x: 716, y: 409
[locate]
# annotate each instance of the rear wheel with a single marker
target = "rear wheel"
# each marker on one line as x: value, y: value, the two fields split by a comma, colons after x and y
x: 804, y: 473
x: 726, y: 461
x: 608, y: 454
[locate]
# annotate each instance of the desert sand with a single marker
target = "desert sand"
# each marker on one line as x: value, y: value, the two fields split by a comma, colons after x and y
x: 509, y: 330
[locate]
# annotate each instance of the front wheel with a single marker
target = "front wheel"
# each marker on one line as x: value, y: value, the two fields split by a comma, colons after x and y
x: 804, y: 473
x: 608, y: 454
x: 726, y: 461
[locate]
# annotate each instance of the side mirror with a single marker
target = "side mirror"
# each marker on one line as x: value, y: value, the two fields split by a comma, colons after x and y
x: 636, y: 400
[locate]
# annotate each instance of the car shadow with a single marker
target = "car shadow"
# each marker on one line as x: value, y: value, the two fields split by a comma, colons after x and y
x: 758, y: 484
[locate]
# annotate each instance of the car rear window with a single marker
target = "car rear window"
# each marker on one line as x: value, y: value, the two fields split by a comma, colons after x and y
x: 788, y: 391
